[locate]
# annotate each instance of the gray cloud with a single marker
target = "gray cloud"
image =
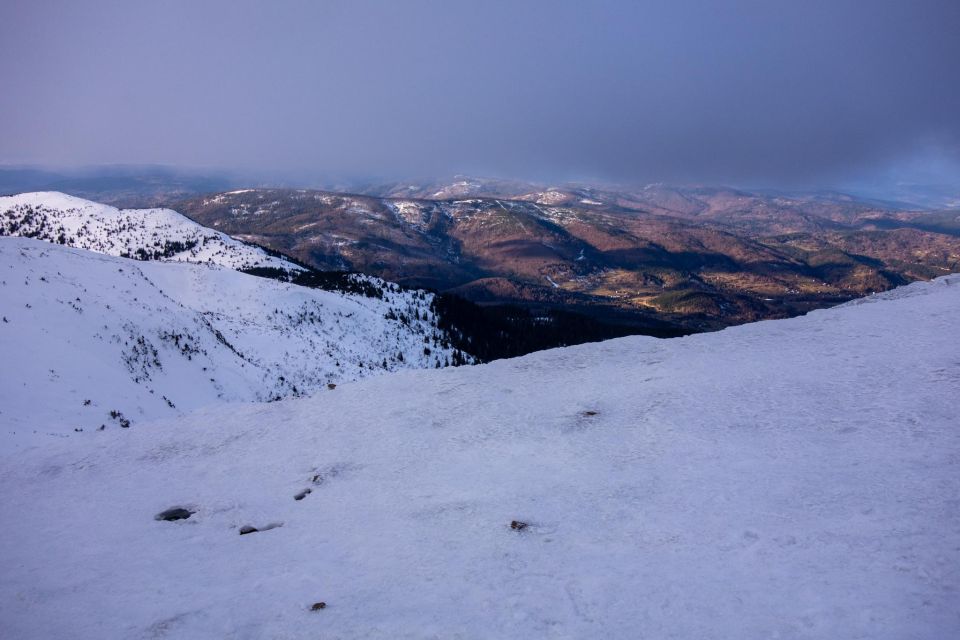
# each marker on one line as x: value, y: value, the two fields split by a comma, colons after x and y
x: 743, y: 91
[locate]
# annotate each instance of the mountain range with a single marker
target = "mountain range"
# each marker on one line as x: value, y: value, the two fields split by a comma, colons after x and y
x: 697, y: 258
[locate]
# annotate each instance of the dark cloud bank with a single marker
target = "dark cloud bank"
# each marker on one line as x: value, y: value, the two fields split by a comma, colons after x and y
x: 761, y: 92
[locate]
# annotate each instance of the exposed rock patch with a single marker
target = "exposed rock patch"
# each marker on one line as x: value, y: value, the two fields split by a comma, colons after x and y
x: 174, y: 513
x: 245, y: 529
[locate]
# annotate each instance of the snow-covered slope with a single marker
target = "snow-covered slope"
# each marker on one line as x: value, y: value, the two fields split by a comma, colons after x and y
x: 145, y: 234
x: 89, y: 339
x: 786, y: 479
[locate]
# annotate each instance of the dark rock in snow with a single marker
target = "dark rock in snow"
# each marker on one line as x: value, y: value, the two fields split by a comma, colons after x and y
x: 516, y: 525
x: 303, y: 494
x: 245, y: 529
x: 318, y: 605
x: 174, y: 513
x: 331, y: 386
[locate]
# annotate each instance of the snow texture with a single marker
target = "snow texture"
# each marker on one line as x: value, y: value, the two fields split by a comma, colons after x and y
x: 785, y: 479
x: 90, y: 340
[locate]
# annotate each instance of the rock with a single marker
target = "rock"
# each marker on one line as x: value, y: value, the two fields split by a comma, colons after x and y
x: 589, y: 413
x: 245, y: 529
x: 318, y: 605
x: 303, y: 494
x: 516, y: 525
x: 331, y: 386
x: 174, y: 513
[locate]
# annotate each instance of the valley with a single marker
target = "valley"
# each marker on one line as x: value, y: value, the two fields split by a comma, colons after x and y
x: 694, y: 258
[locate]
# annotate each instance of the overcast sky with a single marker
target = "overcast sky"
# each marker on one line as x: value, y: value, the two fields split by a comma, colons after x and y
x: 738, y: 91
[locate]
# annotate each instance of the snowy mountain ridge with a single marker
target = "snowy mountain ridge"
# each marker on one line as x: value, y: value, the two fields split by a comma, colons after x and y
x: 144, y: 234
x: 104, y: 341
x: 90, y: 339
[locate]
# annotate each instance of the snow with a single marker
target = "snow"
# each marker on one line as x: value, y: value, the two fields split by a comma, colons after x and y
x: 101, y: 340
x: 550, y: 197
x: 457, y: 189
x: 157, y: 233
x: 414, y: 214
x: 154, y: 339
x: 785, y: 479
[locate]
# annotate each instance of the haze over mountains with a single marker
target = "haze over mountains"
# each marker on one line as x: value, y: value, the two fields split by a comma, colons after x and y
x: 141, y: 186
x: 121, y: 185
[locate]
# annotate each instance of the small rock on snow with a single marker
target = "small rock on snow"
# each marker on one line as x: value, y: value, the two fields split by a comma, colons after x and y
x: 174, y: 513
